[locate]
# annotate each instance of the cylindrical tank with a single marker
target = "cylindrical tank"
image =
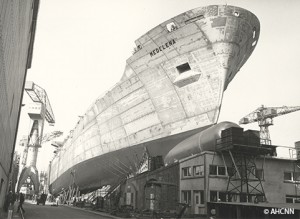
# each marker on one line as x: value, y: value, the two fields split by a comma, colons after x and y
x: 297, y: 147
x: 202, y: 141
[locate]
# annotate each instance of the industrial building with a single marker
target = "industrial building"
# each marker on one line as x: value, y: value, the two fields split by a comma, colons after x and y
x: 17, y: 31
x: 238, y: 176
x: 155, y: 190
x: 204, y: 180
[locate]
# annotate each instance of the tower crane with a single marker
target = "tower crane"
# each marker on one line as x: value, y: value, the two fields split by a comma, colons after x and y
x: 264, y: 116
x: 39, y: 111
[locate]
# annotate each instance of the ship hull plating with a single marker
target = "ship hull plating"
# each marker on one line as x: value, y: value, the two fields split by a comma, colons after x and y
x: 172, y: 86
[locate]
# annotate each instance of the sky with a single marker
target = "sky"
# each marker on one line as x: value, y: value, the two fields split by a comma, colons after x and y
x: 81, y: 47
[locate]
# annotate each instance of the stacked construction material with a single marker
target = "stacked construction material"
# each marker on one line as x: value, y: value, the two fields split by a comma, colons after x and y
x: 231, y: 136
x: 251, y: 137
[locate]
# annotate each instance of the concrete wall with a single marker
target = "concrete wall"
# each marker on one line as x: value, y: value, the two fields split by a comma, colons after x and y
x: 275, y: 187
x: 16, y: 32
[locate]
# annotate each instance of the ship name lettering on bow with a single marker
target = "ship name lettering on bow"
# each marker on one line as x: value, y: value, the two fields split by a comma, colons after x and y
x: 162, y: 47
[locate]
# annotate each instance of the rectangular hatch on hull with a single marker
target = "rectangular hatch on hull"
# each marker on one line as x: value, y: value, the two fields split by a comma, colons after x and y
x: 183, y: 68
x: 186, y: 75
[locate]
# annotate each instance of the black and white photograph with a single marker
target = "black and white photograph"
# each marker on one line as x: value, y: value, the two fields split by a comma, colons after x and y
x: 149, y: 109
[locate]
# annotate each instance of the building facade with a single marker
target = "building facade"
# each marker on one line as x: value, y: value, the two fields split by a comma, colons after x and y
x: 17, y: 31
x: 155, y: 191
x: 204, y: 179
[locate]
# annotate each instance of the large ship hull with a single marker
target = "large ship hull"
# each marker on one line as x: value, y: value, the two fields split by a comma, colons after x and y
x: 172, y: 87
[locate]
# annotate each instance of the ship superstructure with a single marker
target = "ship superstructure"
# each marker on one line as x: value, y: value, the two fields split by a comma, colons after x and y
x: 172, y: 88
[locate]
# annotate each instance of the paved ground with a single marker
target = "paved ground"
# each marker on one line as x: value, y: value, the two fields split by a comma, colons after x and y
x: 33, y: 211
x: 15, y: 215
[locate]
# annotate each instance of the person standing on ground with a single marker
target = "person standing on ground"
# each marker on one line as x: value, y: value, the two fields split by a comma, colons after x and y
x: 22, y: 198
x: 13, y: 199
x: 8, y: 200
x: 57, y: 200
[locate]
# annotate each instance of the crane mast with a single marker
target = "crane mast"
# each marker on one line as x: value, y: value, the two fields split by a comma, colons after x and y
x: 264, y: 116
x: 39, y: 111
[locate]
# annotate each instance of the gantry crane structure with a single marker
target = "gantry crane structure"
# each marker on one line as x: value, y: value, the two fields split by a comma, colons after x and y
x: 264, y: 116
x: 46, y: 138
x: 39, y: 111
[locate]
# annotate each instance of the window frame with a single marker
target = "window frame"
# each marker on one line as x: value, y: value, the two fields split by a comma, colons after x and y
x: 214, y: 170
x: 294, y: 176
x: 213, y: 195
x: 217, y: 170
x: 189, y: 172
x: 186, y: 196
x: 201, y: 170
x: 293, y: 198
x: 224, y: 194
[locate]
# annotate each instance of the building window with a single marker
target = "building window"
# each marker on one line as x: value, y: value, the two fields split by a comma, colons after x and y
x: 222, y: 196
x: 292, y: 199
x: 232, y: 197
x: 296, y: 176
x: 186, y: 171
x: 198, y: 170
x: 201, y: 197
x: 213, y: 170
x: 287, y: 176
x: 186, y: 197
x: 197, y: 200
x: 243, y: 197
x: 258, y: 198
x: 218, y: 196
x: 221, y: 171
x: 291, y: 176
x: 217, y: 170
x: 213, y: 196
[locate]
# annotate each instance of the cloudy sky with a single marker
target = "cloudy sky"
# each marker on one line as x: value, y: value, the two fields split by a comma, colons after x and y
x: 81, y: 47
